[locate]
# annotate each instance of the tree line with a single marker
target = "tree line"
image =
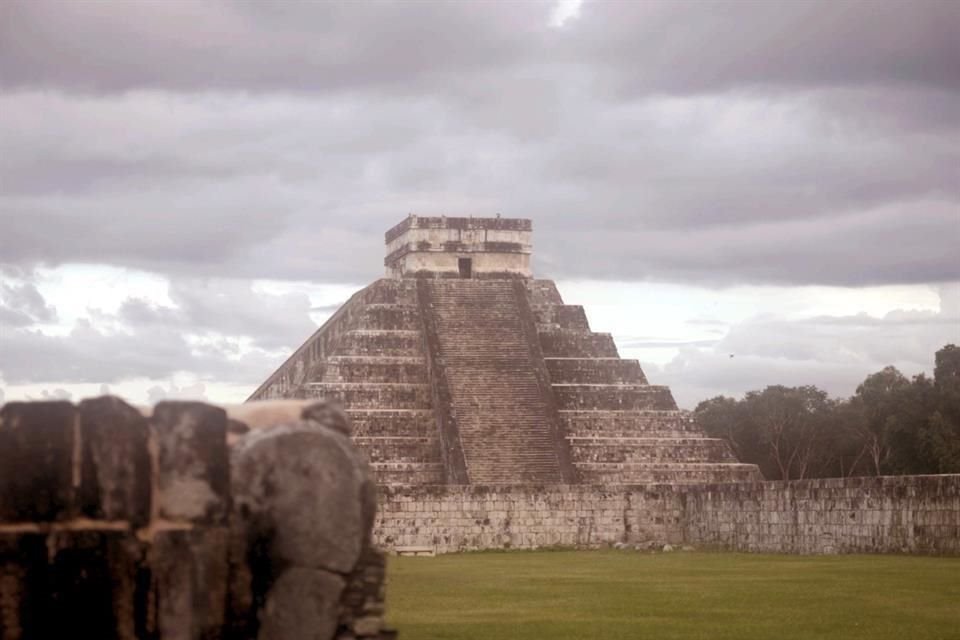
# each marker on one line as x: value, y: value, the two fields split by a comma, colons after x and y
x: 892, y: 425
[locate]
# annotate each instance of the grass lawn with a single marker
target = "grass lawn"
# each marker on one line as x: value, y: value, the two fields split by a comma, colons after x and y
x: 610, y: 595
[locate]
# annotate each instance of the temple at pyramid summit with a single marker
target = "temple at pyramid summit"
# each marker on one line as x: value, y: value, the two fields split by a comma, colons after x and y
x: 461, y: 368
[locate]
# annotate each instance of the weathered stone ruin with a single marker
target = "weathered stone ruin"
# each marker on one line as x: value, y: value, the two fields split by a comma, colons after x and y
x: 459, y: 368
x: 116, y: 524
x: 493, y: 416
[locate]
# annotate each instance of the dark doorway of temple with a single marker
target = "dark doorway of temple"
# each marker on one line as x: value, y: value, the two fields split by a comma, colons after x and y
x: 466, y: 267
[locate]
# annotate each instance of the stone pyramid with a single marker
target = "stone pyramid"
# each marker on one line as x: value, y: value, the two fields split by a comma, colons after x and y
x: 460, y: 368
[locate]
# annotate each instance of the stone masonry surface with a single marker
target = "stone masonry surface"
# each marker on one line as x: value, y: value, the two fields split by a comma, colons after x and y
x: 435, y: 372
x: 899, y: 514
x: 185, y: 523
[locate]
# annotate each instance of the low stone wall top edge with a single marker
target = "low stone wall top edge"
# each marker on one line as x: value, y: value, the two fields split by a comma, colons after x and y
x: 479, y: 489
x: 865, y: 482
x: 737, y: 487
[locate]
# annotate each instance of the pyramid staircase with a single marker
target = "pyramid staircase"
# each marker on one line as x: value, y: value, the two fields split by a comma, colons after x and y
x: 498, y: 402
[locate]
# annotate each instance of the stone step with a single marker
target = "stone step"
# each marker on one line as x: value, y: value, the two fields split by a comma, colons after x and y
x: 559, y: 343
x: 376, y: 342
x: 405, y: 317
x: 372, y: 395
x: 496, y: 400
x: 612, y: 397
x: 543, y: 292
x: 595, y: 371
x: 390, y: 291
x: 666, y: 473
x: 392, y: 422
x: 643, y: 450
x: 561, y: 316
x: 588, y: 423
x: 407, y: 473
x: 399, y: 448
x: 375, y: 369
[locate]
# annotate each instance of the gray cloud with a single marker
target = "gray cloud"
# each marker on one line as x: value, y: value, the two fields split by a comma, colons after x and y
x: 226, y: 307
x: 791, y: 143
x: 22, y: 305
x: 720, y: 143
x: 219, y: 330
x: 658, y: 46
x: 157, y: 393
x: 785, y: 193
x: 308, y: 46
x: 802, y: 43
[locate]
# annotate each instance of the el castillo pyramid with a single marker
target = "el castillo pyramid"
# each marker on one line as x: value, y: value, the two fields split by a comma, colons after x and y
x: 460, y: 368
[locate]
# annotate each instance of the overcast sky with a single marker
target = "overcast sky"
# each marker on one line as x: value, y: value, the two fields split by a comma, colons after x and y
x: 743, y: 193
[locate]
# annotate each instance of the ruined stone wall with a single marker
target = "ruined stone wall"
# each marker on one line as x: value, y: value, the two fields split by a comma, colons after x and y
x: 913, y: 514
x: 116, y: 524
x: 471, y: 517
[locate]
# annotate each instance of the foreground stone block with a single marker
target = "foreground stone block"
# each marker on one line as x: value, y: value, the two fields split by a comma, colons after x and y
x: 305, y: 496
x: 302, y: 603
x: 192, y: 463
x: 327, y: 414
x: 190, y: 579
x: 36, y: 461
x: 362, y: 603
x: 115, y: 471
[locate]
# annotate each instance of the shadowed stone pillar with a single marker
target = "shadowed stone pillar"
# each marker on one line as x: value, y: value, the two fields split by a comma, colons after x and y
x: 115, y: 463
x: 36, y: 461
x: 189, y: 555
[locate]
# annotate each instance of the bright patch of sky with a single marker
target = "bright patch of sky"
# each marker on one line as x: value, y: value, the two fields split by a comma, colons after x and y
x: 653, y: 322
x: 564, y: 11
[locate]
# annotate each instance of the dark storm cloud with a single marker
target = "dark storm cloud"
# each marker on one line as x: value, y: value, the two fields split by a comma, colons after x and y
x: 723, y: 143
x: 650, y: 46
x: 315, y: 46
x: 674, y: 47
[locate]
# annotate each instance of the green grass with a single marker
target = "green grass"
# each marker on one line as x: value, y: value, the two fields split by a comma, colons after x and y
x: 612, y: 595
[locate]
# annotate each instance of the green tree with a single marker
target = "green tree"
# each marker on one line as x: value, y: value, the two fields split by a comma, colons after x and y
x: 941, y: 435
x: 877, y: 399
x: 791, y: 423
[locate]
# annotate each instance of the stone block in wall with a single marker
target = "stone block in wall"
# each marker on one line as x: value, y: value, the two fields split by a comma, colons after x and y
x: 614, y: 397
x: 92, y: 585
x: 23, y: 559
x: 192, y: 464
x: 381, y: 342
x: 36, y: 461
x: 115, y: 463
x: 189, y: 583
x: 301, y: 599
x: 371, y: 395
x: 577, y: 344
